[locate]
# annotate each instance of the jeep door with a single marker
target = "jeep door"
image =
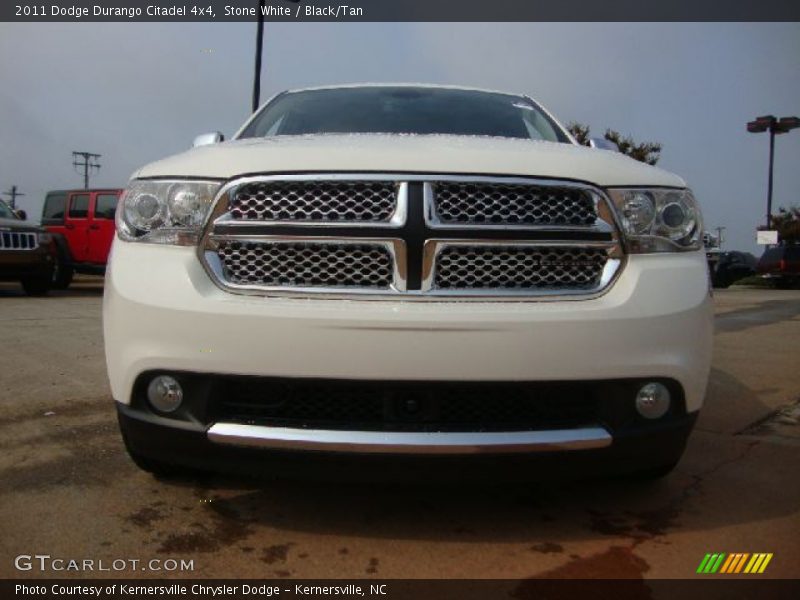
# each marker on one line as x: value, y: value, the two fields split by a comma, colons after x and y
x: 101, y: 227
x: 76, y: 226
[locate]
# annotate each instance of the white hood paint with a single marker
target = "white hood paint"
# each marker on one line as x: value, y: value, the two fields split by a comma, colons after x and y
x: 388, y: 153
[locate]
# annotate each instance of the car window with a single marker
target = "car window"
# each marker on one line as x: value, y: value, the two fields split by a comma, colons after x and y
x: 79, y: 206
x: 54, y: 206
x: 105, y: 206
x: 404, y: 110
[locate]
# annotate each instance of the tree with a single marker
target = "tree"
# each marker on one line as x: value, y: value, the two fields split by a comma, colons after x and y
x: 787, y: 224
x: 646, y: 152
x: 580, y: 132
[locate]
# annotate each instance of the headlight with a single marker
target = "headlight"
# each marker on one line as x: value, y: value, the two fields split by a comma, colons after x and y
x: 45, y: 238
x: 659, y: 220
x: 164, y: 212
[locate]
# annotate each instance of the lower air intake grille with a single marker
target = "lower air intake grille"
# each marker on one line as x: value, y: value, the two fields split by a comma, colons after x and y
x: 436, y: 406
x: 518, y: 267
x: 307, y: 264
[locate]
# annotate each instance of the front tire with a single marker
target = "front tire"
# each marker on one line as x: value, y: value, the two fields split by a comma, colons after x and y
x: 37, y: 285
x: 62, y: 273
x: 722, y: 284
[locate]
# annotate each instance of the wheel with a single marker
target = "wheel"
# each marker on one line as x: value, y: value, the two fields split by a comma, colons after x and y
x: 722, y: 283
x: 62, y: 273
x: 38, y: 285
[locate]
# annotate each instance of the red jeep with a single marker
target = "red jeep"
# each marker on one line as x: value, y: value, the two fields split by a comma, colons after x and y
x: 82, y: 224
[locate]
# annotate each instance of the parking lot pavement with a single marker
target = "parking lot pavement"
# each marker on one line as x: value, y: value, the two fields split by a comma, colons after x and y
x: 68, y: 490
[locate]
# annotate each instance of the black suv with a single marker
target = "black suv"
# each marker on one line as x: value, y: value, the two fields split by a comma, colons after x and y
x: 26, y: 252
x: 781, y: 264
x: 731, y: 267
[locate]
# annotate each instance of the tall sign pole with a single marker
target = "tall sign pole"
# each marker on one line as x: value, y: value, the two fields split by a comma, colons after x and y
x: 774, y: 126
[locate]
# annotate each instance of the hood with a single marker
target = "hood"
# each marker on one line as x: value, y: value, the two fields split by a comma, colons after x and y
x: 389, y: 153
x: 17, y: 225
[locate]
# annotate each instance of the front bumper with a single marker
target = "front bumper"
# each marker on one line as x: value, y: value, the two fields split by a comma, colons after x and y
x: 22, y: 264
x: 192, y: 446
x: 163, y: 314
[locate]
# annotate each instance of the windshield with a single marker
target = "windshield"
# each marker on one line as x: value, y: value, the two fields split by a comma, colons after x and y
x: 408, y: 110
x: 6, y: 212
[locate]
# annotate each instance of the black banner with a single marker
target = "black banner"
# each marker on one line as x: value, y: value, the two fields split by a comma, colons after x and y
x: 745, y: 587
x: 399, y: 10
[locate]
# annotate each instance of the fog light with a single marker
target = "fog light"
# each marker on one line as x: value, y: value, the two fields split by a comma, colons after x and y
x: 653, y: 400
x: 165, y: 393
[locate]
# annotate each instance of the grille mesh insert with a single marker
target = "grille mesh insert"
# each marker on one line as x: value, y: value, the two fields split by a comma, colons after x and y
x: 510, y: 267
x: 354, y: 201
x: 512, y: 204
x: 306, y: 264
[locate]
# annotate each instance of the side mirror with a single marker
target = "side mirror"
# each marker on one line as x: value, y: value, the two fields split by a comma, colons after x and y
x: 603, y: 144
x: 21, y: 214
x: 207, y: 139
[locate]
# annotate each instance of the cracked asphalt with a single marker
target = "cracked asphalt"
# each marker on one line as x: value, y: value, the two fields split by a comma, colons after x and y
x: 67, y: 488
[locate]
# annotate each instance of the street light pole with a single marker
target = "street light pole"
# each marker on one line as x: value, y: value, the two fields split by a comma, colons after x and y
x: 775, y: 126
x: 769, y: 181
x: 259, y: 50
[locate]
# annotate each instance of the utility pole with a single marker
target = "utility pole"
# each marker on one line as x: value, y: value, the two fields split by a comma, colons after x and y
x: 90, y: 161
x: 719, y: 235
x: 14, y: 195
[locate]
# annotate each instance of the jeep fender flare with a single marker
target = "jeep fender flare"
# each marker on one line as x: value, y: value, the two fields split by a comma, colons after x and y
x: 62, y: 247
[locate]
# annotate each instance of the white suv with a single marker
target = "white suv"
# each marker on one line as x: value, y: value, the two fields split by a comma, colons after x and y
x: 397, y: 270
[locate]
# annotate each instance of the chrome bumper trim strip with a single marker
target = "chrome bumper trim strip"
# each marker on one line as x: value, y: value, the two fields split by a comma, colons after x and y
x: 397, y: 442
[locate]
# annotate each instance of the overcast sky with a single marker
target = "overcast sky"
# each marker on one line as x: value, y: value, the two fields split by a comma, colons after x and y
x: 136, y: 92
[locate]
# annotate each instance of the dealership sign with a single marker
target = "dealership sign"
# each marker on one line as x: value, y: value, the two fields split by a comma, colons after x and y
x: 766, y: 237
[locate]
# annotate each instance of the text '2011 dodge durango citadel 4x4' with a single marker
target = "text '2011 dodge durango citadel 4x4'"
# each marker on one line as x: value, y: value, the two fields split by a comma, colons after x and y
x: 377, y: 271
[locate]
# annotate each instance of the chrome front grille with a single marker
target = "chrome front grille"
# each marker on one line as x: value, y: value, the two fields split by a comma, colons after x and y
x: 17, y: 240
x: 411, y: 236
x: 307, y: 264
x: 457, y: 202
x: 470, y: 267
x: 316, y: 201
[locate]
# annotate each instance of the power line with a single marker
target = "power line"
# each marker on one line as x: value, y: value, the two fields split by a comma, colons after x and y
x: 89, y: 162
x: 14, y: 195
